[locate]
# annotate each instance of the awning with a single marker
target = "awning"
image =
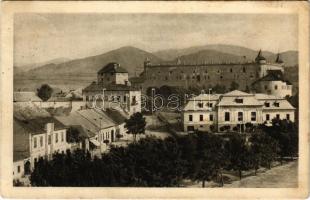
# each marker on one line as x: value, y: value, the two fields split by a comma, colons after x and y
x: 95, y: 142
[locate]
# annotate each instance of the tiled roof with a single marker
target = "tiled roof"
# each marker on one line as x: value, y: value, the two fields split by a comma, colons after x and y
x: 193, y: 103
x: 262, y: 96
x: 95, y: 87
x: 77, y: 119
x: 236, y: 93
x: 232, y: 101
x: 90, y: 119
x: 114, y: 115
x: 25, y: 97
x: 21, y: 148
x: 100, y: 119
x: 38, y: 125
x: 273, y: 75
x: 206, y: 97
x: 112, y: 67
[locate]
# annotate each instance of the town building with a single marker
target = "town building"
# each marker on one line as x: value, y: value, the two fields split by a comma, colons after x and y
x: 205, y: 75
x: 36, y: 138
x: 97, y: 128
x: 210, y: 112
x: 112, y: 90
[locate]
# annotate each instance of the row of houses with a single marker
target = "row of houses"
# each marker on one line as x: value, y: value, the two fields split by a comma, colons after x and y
x: 213, y: 111
x: 37, y: 134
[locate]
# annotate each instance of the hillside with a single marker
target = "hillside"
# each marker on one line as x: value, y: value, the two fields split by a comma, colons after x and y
x: 128, y: 57
x: 172, y: 54
x: 289, y: 57
x: 27, y: 67
x: 209, y: 56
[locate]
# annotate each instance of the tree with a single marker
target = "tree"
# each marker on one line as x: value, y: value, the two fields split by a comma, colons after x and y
x: 209, y: 157
x: 234, y: 86
x: 73, y: 135
x: 45, y: 92
x: 220, y: 89
x: 238, y: 153
x: 135, y: 124
x: 263, y: 150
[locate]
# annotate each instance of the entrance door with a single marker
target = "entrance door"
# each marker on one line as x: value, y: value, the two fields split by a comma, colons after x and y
x: 27, y: 169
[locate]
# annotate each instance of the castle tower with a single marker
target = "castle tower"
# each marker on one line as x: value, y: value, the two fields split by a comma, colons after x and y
x: 260, y: 58
x: 279, y: 60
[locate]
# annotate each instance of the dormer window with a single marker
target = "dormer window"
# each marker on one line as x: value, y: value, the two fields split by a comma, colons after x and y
x: 267, y: 104
x: 239, y: 100
x: 276, y: 104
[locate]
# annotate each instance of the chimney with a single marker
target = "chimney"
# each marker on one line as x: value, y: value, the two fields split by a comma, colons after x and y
x: 49, y: 128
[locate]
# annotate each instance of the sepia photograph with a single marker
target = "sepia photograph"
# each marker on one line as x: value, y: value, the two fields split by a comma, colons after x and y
x: 156, y: 100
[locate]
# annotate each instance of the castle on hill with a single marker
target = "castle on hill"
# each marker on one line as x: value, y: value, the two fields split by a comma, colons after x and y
x: 248, y: 75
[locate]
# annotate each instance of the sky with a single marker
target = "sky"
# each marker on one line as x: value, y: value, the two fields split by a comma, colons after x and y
x: 43, y: 37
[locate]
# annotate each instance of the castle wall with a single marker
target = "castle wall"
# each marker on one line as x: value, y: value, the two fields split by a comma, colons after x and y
x: 201, y: 75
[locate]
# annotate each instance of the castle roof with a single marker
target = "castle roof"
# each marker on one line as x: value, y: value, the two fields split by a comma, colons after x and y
x: 278, y: 59
x: 273, y: 75
x: 112, y: 68
x: 259, y: 56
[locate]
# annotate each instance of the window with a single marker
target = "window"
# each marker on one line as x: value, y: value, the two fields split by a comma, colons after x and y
x: 124, y: 98
x: 118, y: 98
x: 266, y: 87
x: 276, y: 104
x: 18, y: 168
x: 275, y: 87
x: 211, y: 117
x: 201, y: 117
x: 288, y: 116
x: 210, y: 105
x: 41, y: 141
x: 49, y: 139
x: 190, y: 118
x: 62, y: 136
x: 240, y: 116
x: 56, y: 137
x: 35, y: 142
x: 227, y: 116
x: 278, y: 116
x: 200, y: 105
x: 253, y: 116
x: 267, y: 104
x: 267, y: 117
x: 243, y: 69
x: 238, y: 100
x: 231, y: 70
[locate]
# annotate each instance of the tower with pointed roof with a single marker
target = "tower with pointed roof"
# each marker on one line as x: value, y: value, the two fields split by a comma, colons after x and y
x: 260, y: 58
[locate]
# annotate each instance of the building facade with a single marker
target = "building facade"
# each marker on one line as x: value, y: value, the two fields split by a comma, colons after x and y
x: 205, y: 75
x: 211, y: 112
x: 35, y: 139
x: 274, y: 83
x: 113, y: 89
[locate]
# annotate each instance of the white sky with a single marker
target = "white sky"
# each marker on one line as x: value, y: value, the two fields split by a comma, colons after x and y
x: 43, y: 37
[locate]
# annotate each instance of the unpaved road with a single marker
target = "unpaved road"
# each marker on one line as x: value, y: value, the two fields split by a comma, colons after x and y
x: 284, y: 176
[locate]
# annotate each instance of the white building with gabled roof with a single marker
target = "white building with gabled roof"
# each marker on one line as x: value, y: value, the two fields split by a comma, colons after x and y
x: 232, y: 109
